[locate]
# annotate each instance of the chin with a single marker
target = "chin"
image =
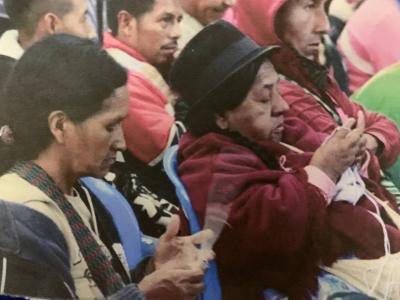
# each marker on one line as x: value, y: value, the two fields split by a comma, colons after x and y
x: 99, y: 173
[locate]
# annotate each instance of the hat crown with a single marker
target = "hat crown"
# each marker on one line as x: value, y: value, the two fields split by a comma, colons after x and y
x: 203, y: 53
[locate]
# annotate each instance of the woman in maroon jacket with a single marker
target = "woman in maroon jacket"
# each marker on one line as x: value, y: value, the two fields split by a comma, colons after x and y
x: 284, y: 208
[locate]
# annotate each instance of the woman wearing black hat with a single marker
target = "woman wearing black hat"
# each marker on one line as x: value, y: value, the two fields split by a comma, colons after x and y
x: 288, y: 210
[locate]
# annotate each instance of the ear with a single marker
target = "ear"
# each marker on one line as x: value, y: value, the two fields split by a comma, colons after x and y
x: 49, y: 23
x: 58, y: 122
x: 126, y: 23
x: 221, y: 121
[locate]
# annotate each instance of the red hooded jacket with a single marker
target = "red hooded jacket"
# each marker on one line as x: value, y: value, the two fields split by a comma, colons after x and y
x: 257, y: 18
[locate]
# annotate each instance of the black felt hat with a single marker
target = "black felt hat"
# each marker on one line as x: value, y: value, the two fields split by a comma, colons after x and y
x: 211, y: 57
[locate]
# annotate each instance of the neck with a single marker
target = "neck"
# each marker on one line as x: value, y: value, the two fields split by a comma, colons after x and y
x: 26, y: 40
x: 55, y: 168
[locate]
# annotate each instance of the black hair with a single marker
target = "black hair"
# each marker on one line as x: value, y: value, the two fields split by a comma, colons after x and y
x: 60, y: 72
x: 25, y: 14
x: 136, y: 8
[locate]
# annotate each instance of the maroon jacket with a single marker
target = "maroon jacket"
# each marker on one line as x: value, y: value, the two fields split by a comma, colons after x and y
x: 279, y: 226
x: 311, y: 80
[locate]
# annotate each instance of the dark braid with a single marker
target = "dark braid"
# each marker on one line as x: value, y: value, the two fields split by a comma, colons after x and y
x: 261, y: 153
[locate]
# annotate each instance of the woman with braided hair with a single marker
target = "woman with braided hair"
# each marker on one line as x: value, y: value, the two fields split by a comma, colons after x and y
x: 64, y: 103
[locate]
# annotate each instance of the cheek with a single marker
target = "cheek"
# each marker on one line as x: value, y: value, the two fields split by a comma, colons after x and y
x: 254, y: 125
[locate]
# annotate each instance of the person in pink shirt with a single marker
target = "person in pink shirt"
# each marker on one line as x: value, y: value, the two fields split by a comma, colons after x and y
x: 370, y: 40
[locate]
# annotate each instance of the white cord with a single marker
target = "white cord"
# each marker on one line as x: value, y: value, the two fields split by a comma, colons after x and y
x: 386, y: 240
x: 3, y: 276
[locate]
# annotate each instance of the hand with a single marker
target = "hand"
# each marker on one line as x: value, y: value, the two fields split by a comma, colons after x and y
x: 172, y: 284
x: 343, y: 149
x: 179, y: 265
x: 182, y: 252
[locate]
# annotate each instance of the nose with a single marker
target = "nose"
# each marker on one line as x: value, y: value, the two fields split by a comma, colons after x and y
x: 118, y: 142
x: 280, y: 106
x: 176, y: 30
x: 321, y: 24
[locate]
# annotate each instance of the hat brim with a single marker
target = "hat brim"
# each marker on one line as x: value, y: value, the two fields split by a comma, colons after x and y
x: 252, y: 56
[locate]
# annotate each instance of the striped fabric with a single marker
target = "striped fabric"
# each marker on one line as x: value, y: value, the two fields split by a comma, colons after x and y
x: 99, y: 265
x: 388, y: 184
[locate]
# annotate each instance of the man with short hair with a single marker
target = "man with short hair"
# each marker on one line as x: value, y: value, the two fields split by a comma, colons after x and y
x: 33, y: 20
x: 144, y: 38
x: 199, y: 13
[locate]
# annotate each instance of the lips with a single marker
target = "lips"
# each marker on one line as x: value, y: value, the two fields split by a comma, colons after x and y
x: 279, y: 128
x: 314, y: 44
x: 110, y: 160
x: 172, y: 47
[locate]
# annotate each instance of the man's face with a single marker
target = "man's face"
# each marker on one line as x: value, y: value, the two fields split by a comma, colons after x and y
x: 208, y: 11
x: 76, y: 21
x: 260, y: 116
x: 157, y: 32
x: 301, y: 24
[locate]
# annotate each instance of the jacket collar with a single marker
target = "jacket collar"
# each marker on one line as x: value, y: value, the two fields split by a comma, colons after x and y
x: 304, y: 71
x: 9, y: 45
x: 109, y: 41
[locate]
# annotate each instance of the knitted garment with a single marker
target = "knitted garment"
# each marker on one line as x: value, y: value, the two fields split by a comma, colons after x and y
x: 99, y: 265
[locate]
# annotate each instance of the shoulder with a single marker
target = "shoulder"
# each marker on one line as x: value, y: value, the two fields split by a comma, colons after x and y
x: 17, y: 190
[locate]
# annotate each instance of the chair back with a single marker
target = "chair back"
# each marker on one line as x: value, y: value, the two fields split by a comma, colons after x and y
x: 134, y: 243
x: 212, y: 289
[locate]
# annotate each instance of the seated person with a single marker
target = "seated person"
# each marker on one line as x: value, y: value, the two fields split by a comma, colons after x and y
x: 74, y: 93
x: 370, y: 41
x: 290, y: 210
x: 143, y: 39
x: 313, y: 95
x: 36, y: 252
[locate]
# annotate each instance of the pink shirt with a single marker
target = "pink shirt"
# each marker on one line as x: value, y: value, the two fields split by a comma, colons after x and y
x: 371, y: 40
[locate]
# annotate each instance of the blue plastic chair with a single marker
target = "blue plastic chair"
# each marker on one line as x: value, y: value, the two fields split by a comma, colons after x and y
x: 136, y: 245
x: 212, y: 286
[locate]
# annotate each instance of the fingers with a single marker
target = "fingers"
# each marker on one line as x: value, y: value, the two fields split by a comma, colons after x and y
x: 201, y: 236
x: 194, y: 289
x: 349, y: 123
x: 172, y: 229
x: 192, y: 275
x: 360, y: 121
x: 206, y: 255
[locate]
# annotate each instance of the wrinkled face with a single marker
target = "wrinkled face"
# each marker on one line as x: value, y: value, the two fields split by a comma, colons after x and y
x: 76, y: 21
x: 91, y: 146
x: 208, y: 11
x: 260, y: 116
x: 301, y: 24
x: 157, y: 32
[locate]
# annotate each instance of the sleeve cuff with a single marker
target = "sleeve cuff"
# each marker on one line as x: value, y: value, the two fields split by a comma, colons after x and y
x: 322, y: 181
x: 381, y: 139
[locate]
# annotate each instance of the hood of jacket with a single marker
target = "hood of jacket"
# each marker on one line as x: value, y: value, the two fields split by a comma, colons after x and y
x: 256, y: 18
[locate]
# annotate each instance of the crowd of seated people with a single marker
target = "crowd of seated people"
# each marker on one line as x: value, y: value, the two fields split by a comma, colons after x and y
x: 295, y: 182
